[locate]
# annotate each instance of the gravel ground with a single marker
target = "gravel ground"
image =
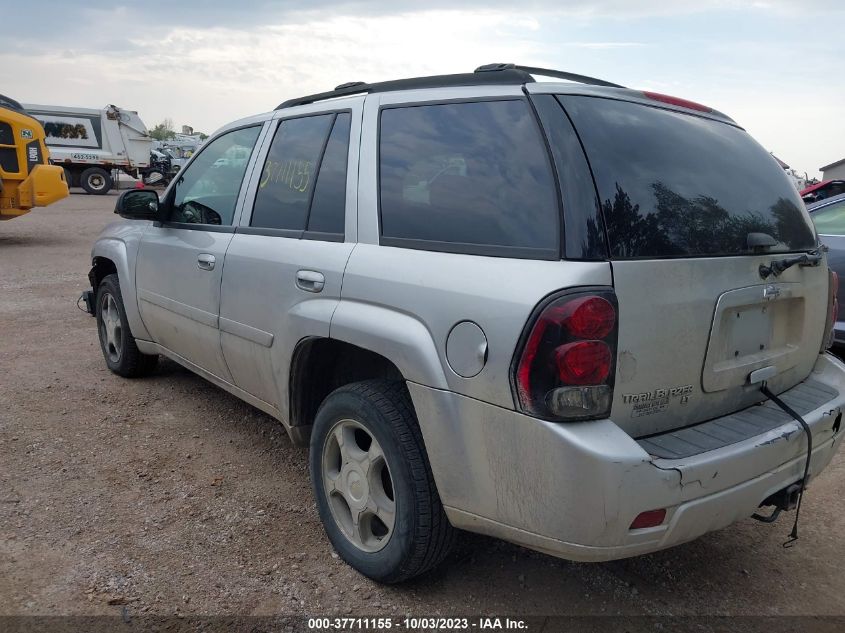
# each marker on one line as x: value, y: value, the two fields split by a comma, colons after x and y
x: 168, y: 496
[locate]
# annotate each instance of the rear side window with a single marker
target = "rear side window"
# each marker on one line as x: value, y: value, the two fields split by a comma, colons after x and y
x: 302, y: 191
x: 678, y: 185
x: 469, y: 178
x: 830, y: 220
x: 329, y: 203
x: 287, y: 180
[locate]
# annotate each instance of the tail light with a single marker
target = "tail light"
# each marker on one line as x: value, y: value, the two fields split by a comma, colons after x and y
x: 832, y: 307
x: 564, y: 368
x: 677, y: 101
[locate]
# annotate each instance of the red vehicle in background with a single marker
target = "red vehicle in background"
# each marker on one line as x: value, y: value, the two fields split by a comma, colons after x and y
x: 822, y: 190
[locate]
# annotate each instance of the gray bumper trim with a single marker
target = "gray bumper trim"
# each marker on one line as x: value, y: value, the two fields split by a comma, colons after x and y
x: 736, y: 427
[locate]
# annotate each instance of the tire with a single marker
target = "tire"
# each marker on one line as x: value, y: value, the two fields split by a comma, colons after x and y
x: 119, y: 350
x: 69, y: 177
x: 96, y: 181
x: 420, y: 536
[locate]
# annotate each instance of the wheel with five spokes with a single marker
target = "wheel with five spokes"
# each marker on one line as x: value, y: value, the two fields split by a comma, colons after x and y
x: 358, y: 485
x: 373, y: 483
x: 116, y: 341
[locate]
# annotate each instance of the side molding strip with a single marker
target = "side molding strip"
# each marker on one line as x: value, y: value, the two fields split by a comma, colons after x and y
x: 248, y: 332
x: 189, y: 312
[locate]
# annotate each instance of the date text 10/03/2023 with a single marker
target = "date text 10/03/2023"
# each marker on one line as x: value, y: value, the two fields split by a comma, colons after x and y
x: 417, y: 624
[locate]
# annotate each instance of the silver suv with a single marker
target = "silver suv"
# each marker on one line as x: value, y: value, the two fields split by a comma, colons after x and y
x: 582, y: 318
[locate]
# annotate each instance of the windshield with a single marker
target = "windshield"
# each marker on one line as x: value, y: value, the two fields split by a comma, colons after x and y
x: 678, y: 185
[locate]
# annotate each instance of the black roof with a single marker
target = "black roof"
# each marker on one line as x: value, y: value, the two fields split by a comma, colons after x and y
x: 489, y: 74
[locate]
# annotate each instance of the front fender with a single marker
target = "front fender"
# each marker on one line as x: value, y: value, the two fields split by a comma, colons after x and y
x: 119, y: 244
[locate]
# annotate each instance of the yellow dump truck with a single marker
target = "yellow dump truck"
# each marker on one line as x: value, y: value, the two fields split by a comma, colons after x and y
x: 27, y: 179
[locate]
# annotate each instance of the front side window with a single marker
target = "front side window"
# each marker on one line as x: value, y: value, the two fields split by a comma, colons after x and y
x: 830, y: 220
x: 206, y: 192
x: 467, y: 177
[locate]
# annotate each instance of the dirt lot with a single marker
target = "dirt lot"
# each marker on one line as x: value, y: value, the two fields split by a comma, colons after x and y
x: 166, y: 495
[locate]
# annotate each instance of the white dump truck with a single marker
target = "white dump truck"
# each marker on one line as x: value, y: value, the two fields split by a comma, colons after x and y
x: 91, y: 144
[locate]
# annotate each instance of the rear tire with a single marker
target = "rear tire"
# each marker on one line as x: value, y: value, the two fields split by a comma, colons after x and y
x: 373, y: 484
x: 96, y: 181
x: 116, y: 341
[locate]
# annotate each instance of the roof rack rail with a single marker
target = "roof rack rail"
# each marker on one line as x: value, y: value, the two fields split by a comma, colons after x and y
x: 548, y: 72
x: 488, y: 74
x: 507, y: 76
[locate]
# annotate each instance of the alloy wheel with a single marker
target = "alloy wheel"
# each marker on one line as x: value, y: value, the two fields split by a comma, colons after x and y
x: 358, y: 485
x: 111, y: 329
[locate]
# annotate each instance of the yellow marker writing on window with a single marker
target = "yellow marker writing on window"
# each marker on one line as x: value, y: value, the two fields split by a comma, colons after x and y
x: 295, y: 173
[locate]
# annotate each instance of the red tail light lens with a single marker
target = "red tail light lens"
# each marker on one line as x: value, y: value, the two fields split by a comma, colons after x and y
x: 677, y: 101
x: 590, y: 317
x: 584, y: 363
x: 565, y: 366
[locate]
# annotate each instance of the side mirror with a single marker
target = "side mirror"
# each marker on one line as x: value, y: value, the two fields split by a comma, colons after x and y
x: 137, y: 204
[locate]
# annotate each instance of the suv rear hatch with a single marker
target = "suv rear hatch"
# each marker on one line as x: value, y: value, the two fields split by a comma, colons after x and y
x: 681, y: 195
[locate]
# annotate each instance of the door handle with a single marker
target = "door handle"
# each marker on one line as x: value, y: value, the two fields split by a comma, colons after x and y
x: 310, y: 280
x: 206, y: 261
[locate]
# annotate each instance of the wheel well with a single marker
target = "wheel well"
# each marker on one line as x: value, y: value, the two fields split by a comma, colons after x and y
x: 102, y: 267
x: 321, y: 365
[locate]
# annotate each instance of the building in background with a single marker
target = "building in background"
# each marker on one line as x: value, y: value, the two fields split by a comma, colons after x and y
x: 834, y: 171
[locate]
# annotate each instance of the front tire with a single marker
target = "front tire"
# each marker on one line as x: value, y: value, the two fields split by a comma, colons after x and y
x: 69, y: 178
x: 96, y: 181
x: 116, y: 341
x: 373, y: 484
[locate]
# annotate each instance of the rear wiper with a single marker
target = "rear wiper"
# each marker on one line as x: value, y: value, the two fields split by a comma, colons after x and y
x: 777, y: 266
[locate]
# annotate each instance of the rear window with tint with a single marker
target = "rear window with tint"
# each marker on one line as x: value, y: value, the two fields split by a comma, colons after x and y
x: 677, y: 185
x: 469, y: 178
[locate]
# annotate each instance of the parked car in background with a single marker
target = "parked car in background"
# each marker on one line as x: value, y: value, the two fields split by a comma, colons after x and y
x: 829, y: 217
x: 823, y: 190
x: 542, y: 311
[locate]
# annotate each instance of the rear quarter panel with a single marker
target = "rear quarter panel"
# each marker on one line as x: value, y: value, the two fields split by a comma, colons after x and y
x: 424, y: 294
x: 403, y: 303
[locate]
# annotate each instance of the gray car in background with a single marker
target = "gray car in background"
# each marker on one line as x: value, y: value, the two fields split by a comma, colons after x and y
x: 829, y: 217
x: 543, y: 311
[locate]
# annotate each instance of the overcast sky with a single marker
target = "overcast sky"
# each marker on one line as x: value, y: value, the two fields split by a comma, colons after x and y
x: 773, y: 65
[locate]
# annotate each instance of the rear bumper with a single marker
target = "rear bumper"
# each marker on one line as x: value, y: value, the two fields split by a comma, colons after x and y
x: 572, y: 490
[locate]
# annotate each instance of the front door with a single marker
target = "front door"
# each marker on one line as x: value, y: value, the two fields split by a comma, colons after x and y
x: 180, y: 262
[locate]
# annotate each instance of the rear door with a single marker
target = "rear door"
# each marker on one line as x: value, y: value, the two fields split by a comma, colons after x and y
x: 285, y: 264
x: 680, y: 196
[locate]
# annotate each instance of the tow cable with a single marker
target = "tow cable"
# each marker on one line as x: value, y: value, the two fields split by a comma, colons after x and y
x: 793, y: 536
